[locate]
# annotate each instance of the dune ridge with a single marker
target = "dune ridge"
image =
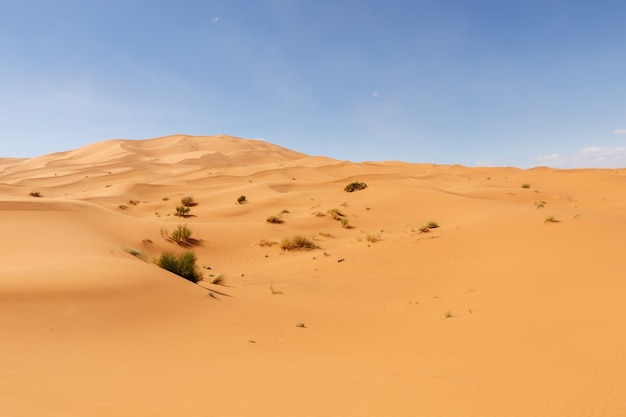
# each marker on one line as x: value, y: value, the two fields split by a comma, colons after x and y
x: 513, y: 306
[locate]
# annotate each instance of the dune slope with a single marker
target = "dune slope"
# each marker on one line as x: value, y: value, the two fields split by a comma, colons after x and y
x: 513, y: 306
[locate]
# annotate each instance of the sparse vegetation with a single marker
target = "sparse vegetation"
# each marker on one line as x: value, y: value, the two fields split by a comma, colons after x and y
x: 297, y: 242
x: 526, y: 185
x: 217, y: 279
x: 424, y: 229
x: 242, y: 199
x: 345, y: 223
x: 373, y: 237
x: 448, y: 314
x: 136, y: 253
x: 336, y: 214
x: 133, y: 202
x: 432, y: 225
x: 550, y: 219
x: 183, y: 265
x: 265, y: 242
x: 325, y: 234
x: 35, y: 194
x: 355, y: 186
x: 540, y: 204
x: 182, y: 211
x: 182, y: 235
x: 188, y: 201
x: 274, y: 219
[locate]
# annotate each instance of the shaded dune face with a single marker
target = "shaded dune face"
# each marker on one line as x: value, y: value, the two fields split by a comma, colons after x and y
x: 512, y: 306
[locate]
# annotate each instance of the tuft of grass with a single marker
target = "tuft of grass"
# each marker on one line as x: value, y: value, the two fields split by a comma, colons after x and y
x: 448, y: 314
x: 188, y: 201
x: 355, y: 186
x: 35, y: 194
x: 182, y: 235
x: 336, y: 214
x: 540, y: 204
x: 297, y: 242
x: 526, y: 185
x: 373, y: 237
x: 265, y: 242
x: 345, y: 223
x: 550, y: 219
x: 432, y: 225
x: 274, y: 219
x: 183, y: 265
x: 325, y: 234
x: 136, y: 253
x: 182, y: 211
x: 242, y: 199
x: 217, y: 279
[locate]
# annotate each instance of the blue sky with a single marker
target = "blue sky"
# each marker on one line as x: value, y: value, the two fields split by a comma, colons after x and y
x: 473, y: 82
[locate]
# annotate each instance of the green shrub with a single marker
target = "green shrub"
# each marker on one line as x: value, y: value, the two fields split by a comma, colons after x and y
x: 188, y: 202
x: 183, y: 265
x: 182, y: 234
x: 355, y: 186
x: 182, y: 211
x: 297, y: 242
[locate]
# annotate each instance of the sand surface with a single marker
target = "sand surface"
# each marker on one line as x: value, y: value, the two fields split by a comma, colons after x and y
x: 494, y: 313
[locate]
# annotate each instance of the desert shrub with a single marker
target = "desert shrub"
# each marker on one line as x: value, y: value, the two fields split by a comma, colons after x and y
x: 136, y: 253
x: 355, y: 186
x: 182, y: 211
x: 424, y: 229
x: 242, y: 199
x: 183, y: 265
x: 526, y: 185
x: 432, y: 224
x: 182, y: 234
x: 188, y: 201
x: 373, y: 237
x: 217, y: 279
x: 336, y: 214
x: 274, y: 219
x: 35, y: 194
x: 345, y: 223
x: 551, y: 219
x: 297, y: 242
x: 265, y: 242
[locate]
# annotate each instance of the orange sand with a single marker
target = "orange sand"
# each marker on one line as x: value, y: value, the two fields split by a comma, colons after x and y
x: 537, y: 309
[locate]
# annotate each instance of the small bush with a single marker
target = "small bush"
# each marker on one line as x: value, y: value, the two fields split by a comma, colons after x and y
x: 432, y: 225
x: 274, y: 219
x: 550, y: 219
x: 35, y: 194
x: 182, y: 235
x: 373, y: 237
x: 188, y: 202
x: 183, y: 265
x: 297, y: 242
x: 265, y: 242
x: 336, y: 214
x: 345, y: 224
x: 424, y: 229
x: 217, y: 279
x: 182, y: 211
x: 526, y: 185
x: 355, y: 186
x: 136, y: 253
x: 242, y: 199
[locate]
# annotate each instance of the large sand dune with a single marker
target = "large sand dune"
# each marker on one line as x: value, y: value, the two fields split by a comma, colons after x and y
x: 495, y: 313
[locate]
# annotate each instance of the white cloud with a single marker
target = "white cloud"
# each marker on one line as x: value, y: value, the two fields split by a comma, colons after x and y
x: 375, y: 94
x: 591, y: 157
x: 619, y: 131
x: 215, y: 20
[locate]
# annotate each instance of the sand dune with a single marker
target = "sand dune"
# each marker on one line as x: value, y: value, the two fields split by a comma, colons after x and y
x: 497, y: 312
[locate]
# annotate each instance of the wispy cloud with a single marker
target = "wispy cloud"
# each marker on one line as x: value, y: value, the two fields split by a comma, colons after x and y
x: 215, y: 20
x: 619, y: 131
x: 591, y: 157
x: 375, y: 94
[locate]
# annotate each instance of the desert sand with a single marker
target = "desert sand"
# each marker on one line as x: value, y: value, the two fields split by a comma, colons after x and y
x: 497, y: 312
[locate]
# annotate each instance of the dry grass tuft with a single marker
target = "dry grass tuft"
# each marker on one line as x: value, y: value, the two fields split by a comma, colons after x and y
x: 297, y: 242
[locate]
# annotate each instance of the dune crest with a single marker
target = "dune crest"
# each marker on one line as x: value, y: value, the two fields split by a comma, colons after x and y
x: 436, y: 290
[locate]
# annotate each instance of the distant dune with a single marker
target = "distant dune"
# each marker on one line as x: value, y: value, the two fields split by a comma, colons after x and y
x: 512, y: 306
